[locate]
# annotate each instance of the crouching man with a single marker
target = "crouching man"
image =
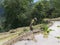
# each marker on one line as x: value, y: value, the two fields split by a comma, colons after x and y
x: 33, y: 22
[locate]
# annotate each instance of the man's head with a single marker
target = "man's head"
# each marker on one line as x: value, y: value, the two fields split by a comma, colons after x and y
x: 35, y: 19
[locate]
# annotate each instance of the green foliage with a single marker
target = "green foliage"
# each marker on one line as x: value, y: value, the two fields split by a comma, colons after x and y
x: 55, y: 4
x: 25, y: 30
x: 19, y: 13
x: 15, y: 13
x: 37, y: 12
x: 58, y: 37
x: 58, y: 26
x: 45, y: 28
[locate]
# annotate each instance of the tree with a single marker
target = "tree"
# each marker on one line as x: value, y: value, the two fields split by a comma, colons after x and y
x: 14, y: 11
x: 37, y: 11
x: 54, y: 9
x: 57, y: 7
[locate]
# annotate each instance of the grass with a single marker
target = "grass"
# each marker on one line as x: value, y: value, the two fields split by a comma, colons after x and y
x: 12, y: 35
x: 22, y: 30
x: 45, y: 30
x: 58, y: 26
x: 17, y: 32
x: 58, y: 37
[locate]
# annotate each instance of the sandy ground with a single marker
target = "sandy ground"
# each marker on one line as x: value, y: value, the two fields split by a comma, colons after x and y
x: 40, y: 40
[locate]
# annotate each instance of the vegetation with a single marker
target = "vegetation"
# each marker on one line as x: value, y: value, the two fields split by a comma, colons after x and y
x: 16, y: 32
x: 58, y: 37
x: 45, y: 29
x: 58, y: 26
x: 19, y: 13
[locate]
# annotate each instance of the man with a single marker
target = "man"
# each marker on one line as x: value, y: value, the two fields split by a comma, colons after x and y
x: 33, y: 22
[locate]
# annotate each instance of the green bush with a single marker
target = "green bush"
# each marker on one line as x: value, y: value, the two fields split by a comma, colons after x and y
x: 45, y: 28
